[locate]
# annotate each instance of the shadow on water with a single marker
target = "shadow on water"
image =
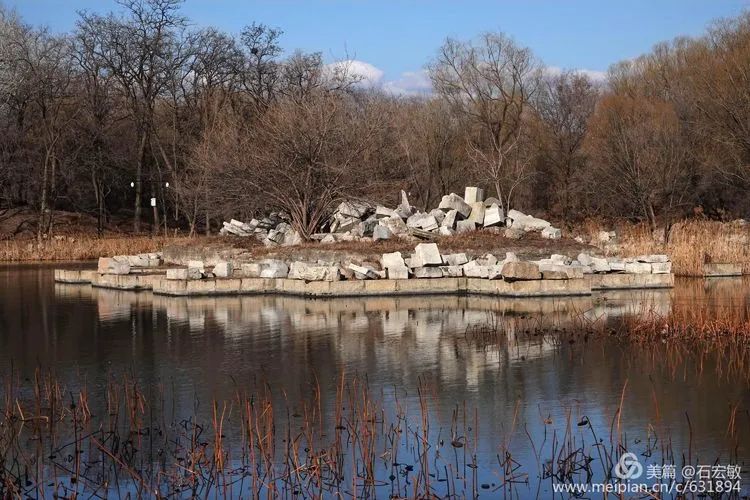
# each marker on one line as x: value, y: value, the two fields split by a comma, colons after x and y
x: 408, y: 396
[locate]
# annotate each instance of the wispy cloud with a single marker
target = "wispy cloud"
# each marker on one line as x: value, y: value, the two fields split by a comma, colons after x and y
x: 410, y: 83
x: 417, y: 83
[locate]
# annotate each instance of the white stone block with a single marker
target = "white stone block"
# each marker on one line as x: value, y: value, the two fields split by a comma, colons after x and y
x: 465, y: 226
x: 456, y: 259
x: 477, y: 213
x: 473, y: 194
x: 398, y: 273
x: 177, y: 274
x: 473, y: 269
x: 428, y: 272
x: 394, y: 259
x: 661, y: 267
x: 223, y: 270
x: 382, y: 212
x: 493, y: 216
x: 454, y: 202
x: 599, y: 265
x: 427, y: 254
x: 450, y: 219
x: 271, y: 268
x: 364, y: 272
x: 452, y: 271
x: 638, y: 268
x: 381, y: 233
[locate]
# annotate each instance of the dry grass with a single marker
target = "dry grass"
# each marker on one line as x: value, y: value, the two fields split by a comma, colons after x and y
x: 692, y: 243
x: 85, y: 247
x: 82, y: 248
x: 476, y: 243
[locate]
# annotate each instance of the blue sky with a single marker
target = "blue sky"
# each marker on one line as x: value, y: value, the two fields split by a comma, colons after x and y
x: 397, y: 38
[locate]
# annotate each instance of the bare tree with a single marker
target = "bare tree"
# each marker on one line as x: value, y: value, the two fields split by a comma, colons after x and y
x: 261, y: 70
x: 200, y: 91
x: 433, y: 145
x: 139, y: 51
x: 42, y: 62
x: 15, y: 100
x: 491, y: 83
x: 99, y: 112
x: 720, y: 81
x: 640, y: 157
x: 303, y: 156
x: 564, y: 105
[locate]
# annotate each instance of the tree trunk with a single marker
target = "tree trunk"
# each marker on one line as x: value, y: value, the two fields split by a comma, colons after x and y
x: 667, y: 230
x: 139, y: 183
x: 500, y: 197
x: 154, y: 210
x: 98, y: 196
x: 651, y: 216
x: 43, y: 201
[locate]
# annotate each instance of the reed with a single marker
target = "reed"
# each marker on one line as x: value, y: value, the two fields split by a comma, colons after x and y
x: 83, y: 247
x: 125, y: 439
x: 258, y: 444
x: 691, y: 244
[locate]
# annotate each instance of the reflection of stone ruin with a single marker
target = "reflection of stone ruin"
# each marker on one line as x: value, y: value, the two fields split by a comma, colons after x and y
x: 375, y: 326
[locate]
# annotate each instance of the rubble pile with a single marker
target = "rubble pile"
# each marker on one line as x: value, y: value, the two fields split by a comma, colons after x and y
x: 427, y: 262
x: 358, y: 220
x: 274, y: 229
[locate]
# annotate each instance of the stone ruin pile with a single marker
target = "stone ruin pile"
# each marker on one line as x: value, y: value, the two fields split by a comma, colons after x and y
x: 274, y: 229
x: 359, y: 220
x: 427, y: 262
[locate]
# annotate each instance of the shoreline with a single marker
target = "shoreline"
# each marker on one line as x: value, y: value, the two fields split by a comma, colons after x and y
x: 159, y: 285
x: 692, y: 241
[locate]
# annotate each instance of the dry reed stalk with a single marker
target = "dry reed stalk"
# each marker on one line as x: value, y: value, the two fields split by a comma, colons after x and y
x: 84, y: 248
x: 691, y: 243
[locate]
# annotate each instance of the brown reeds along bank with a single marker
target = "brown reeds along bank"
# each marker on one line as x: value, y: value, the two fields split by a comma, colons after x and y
x: 72, y: 248
x: 691, y: 244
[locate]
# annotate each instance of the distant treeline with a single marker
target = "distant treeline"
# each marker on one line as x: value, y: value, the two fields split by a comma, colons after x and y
x: 137, y: 105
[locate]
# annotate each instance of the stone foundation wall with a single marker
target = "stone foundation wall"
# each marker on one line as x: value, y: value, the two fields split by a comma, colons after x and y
x: 365, y: 288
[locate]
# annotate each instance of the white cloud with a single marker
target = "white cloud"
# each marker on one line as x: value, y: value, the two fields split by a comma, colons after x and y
x: 369, y: 75
x: 417, y: 83
x: 409, y: 84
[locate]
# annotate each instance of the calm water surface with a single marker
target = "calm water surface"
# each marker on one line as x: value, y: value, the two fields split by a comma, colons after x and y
x: 523, y: 389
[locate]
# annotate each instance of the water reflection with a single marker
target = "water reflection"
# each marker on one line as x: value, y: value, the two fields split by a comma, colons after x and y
x: 204, y: 348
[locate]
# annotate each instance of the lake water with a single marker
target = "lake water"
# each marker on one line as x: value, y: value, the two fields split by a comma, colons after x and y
x: 512, y: 395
